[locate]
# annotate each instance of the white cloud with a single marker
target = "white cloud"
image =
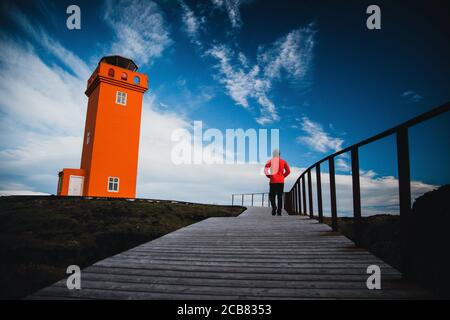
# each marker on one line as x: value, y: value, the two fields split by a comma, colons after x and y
x: 232, y: 8
x: 140, y: 29
x: 412, y: 96
x: 35, y: 31
x: 32, y: 92
x: 212, y: 183
x: 317, y: 138
x: 21, y: 193
x: 291, y: 53
x: 342, y: 165
x: 191, y: 23
x: 43, y: 109
x: 243, y: 83
x: 43, y: 112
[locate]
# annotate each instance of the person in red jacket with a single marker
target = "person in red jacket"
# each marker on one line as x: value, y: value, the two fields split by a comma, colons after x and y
x: 276, y: 170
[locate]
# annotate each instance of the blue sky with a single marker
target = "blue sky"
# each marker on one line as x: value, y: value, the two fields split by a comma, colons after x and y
x: 310, y: 69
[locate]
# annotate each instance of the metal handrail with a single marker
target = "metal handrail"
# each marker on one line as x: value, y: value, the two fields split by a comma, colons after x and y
x: 296, y: 197
x: 242, y: 195
x: 420, y: 118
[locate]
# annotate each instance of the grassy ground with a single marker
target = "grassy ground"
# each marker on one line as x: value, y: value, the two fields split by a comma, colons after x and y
x: 41, y: 236
x: 380, y: 234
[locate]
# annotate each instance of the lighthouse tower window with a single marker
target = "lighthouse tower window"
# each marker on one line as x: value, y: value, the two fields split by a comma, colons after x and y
x: 113, y: 184
x: 121, y: 98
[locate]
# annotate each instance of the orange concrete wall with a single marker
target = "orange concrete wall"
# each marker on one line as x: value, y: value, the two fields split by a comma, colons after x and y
x: 64, y: 175
x: 115, y: 129
x: 91, y: 115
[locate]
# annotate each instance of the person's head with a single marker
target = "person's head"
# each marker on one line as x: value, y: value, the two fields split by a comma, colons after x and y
x: 276, y: 153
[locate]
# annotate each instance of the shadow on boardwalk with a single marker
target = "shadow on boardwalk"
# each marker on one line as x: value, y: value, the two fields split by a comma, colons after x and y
x: 253, y: 256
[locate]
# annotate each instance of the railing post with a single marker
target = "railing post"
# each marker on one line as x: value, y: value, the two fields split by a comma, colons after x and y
x: 356, y: 195
x: 290, y: 202
x: 286, y: 197
x: 319, y: 194
x: 291, y: 194
x: 334, y: 224
x: 262, y: 199
x: 232, y: 200
x: 304, y: 195
x: 294, y: 192
x: 286, y: 204
x: 404, y: 188
x: 252, y: 199
x: 310, y: 198
x: 299, y: 197
x: 242, y: 199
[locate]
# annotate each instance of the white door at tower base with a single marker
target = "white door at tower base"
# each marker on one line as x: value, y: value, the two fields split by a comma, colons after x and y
x: 75, y: 186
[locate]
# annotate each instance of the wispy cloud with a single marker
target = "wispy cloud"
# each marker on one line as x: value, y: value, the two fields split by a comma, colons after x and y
x: 140, y: 28
x: 412, y: 96
x: 342, y: 165
x: 232, y: 7
x: 34, y: 156
x: 41, y: 131
x: 191, y: 22
x: 291, y: 54
x: 243, y: 83
x: 37, y: 33
x: 43, y: 112
x: 316, y: 138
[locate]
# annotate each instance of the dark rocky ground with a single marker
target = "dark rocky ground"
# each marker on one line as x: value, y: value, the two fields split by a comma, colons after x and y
x: 41, y: 235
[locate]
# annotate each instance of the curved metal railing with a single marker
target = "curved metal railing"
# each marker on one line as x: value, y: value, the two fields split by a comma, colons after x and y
x: 296, y: 198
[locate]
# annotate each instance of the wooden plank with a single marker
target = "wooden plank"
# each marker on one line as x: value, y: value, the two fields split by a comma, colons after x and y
x: 274, y: 275
x: 114, y: 286
x: 360, y: 283
x: 253, y: 256
x: 357, y: 270
x: 258, y: 262
x: 245, y: 254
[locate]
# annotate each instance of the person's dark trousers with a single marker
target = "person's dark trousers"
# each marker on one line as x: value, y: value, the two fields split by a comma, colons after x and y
x: 276, y: 191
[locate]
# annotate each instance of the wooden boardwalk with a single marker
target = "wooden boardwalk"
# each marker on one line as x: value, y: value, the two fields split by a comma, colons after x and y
x: 253, y: 256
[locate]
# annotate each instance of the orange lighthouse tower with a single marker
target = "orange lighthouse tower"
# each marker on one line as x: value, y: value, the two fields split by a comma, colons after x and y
x: 111, y: 136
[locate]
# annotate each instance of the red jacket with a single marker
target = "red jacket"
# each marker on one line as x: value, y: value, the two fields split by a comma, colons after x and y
x: 277, y: 169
